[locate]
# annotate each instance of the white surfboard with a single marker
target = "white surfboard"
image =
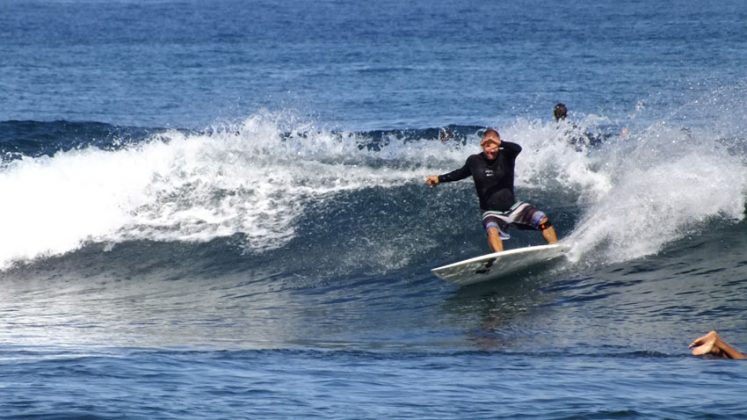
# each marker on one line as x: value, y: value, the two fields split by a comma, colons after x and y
x: 499, y: 264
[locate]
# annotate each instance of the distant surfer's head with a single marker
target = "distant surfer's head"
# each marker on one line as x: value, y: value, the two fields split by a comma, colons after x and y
x: 560, y: 111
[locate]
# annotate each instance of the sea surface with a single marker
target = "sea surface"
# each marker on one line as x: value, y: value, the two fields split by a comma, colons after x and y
x: 216, y: 209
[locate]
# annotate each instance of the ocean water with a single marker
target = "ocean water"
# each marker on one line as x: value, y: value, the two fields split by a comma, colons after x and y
x: 217, y: 210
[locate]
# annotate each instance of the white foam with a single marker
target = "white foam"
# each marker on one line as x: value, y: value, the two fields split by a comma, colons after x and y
x: 665, y: 187
x: 549, y: 160
x: 249, y: 179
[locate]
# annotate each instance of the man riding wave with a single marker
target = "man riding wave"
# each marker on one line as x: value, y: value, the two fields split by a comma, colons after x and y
x: 493, y: 174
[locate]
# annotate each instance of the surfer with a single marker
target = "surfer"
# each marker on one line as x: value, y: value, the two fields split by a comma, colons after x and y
x: 582, y: 140
x: 712, y: 344
x: 575, y: 137
x: 493, y: 174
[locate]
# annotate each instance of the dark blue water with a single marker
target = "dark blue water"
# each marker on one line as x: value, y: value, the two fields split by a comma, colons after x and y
x: 217, y: 210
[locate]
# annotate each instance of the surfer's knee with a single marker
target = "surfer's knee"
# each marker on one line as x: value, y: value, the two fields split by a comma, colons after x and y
x: 544, y: 223
x: 494, y: 226
x: 535, y: 218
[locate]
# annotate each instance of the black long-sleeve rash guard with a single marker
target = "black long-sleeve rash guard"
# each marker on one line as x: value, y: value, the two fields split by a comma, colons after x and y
x: 494, y: 180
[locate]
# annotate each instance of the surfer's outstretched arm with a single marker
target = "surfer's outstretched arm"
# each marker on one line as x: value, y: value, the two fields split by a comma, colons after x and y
x: 452, y: 176
x: 712, y: 344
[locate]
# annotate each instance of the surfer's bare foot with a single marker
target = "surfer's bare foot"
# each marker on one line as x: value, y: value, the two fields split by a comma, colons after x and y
x: 712, y: 344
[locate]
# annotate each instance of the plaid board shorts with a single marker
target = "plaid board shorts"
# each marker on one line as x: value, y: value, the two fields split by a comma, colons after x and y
x: 522, y: 215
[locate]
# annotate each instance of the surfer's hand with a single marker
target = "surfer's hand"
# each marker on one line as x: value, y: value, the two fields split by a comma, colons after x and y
x: 705, y: 344
x: 711, y: 343
x: 431, y: 181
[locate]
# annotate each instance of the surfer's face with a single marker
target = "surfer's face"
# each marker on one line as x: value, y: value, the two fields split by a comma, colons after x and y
x: 491, y: 145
